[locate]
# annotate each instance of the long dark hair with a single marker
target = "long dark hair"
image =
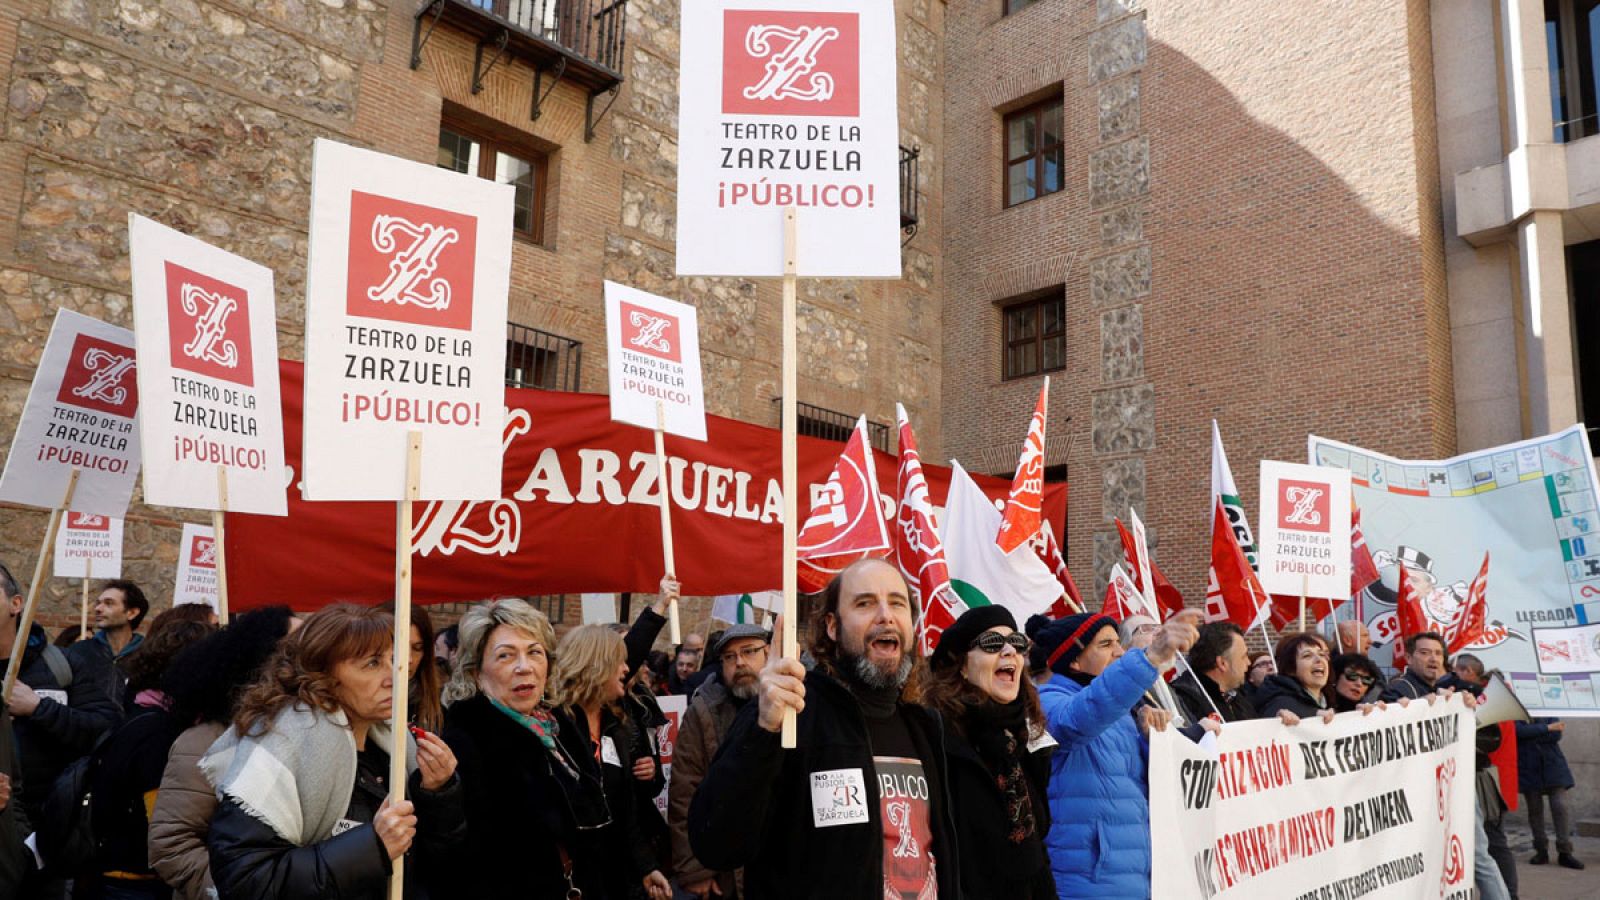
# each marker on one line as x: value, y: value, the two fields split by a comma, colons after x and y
x: 206, y: 679
x: 426, y: 686
x: 301, y: 671
x: 170, y: 633
x: 949, y: 692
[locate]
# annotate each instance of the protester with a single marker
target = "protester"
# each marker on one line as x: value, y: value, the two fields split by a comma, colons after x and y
x: 859, y: 730
x: 1356, y: 680
x: 1261, y: 666
x: 1218, y: 663
x: 1467, y: 674
x: 1353, y: 637
x: 305, y: 809
x: 205, y: 682
x: 979, y: 685
x: 126, y: 772
x: 1136, y: 631
x: 16, y: 860
x: 741, y: 654
x: 590, y: 682
x: 1099, y: 838
x: 1542, y: 775
x: 118, y: 612
x: 1302, y: 664
x: 684, y: 664
x: 444, y: 650
x: 1425, y: 656
x: 423, y: 684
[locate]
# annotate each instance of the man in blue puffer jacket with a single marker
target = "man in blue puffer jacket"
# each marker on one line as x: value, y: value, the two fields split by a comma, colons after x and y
x: 1099, y: 840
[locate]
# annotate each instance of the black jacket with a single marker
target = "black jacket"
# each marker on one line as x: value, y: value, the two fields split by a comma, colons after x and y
x: 1280, y: 692
x: 131, y: 763
x: 1408, y: 685
x: 991, y: 865
x: 754, y: 807
x: 631, y: 836
x: 1192, y: 698
x: 15, y: 859
x: 519, y: 815
x: 249, y: 861
x: 56, y: 734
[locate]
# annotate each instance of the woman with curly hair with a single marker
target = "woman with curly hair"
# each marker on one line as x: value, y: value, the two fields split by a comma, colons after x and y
x: 304, y: 807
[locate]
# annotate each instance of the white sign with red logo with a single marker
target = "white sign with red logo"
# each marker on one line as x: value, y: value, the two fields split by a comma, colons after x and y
x: 89, y: 537
x: 653, y: 349
x: 673, y: 707
x: 785, y: 103
x: 207, y: 328
x: 197, y: 567
x: 1305, y: 530
x: 406, y: 289
x: 81, y: 414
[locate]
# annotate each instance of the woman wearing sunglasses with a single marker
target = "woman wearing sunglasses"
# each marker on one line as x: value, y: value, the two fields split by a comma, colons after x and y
x: 980, y: 686
x: 1356, y: 680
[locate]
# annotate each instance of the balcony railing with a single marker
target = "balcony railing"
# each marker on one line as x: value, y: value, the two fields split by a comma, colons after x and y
x: 832, y: 425
x: 909, y: 157
x: 539, y: 359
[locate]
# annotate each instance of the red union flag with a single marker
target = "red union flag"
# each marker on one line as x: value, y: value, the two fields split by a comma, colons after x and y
x: 846, y: 521
x: 100, y: 376
x: 1234, y: 593
x: 77, y: 521
x: 650, y: 332
x: 1410, y: 618
x: 1466, y: 625
x: 410, y: 263
x: 1303, y: 506
x: 1168, y: 600
x: 918, y: 550
x: 791, y: 63
x: 1048, y: 550
x: 1023, y: 511
x: 208, y: 324
x: 1122, y: 595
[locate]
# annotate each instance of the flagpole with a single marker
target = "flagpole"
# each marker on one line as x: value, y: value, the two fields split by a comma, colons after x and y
x: 402, y: 644
x: 1305, y: 586
x: 1262, y: 621
x: 790, y: 486
x: 674, y: 634
x: 31, y: 604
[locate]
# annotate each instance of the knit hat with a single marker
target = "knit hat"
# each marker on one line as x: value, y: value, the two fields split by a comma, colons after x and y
x: 1060, y: 641
x: 958, y: 638
x: 1132, y: 624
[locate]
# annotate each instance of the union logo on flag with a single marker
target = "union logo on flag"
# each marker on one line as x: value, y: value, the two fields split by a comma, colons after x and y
x: 791, y: 63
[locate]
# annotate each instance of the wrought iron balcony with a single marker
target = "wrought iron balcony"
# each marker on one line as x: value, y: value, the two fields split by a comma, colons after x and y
x: 909, y: 157
x: 539, y: 359
x: 831, y: 425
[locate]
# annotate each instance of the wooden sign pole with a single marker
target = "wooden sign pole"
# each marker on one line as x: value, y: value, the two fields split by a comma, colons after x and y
x: 1263, y: 622
x: 218, y: 544
x: 31, y: 604
x: 83, y: 610
x: 1305, y: 586
x: 402, y: 643
x: 674, y: 633
x: 790, y: 479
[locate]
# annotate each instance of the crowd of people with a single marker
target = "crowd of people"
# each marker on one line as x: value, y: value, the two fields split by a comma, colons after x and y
x: 179, y: 758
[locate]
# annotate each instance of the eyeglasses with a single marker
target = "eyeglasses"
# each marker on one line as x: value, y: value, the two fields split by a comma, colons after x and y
x: 994, y: 642
x: 1262, y: 664
x: 748, y: 654
x: 1365, y: 680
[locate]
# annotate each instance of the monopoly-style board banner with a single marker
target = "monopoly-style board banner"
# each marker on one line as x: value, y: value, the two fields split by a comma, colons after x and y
x: 1531, y: 506
x: 81, y: 414
x: 92, y: 538
x: 1377, y: 806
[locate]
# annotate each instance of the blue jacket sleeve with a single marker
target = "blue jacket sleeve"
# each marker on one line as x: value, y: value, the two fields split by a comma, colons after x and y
x: 1081, y: 717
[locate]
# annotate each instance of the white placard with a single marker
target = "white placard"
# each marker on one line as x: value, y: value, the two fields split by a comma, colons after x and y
x: 788, y: 103
x: 81, y: 414
x: 599, y: 609
x: 1141, y: 545
x: 406, y: 285
x: 1304, y: 530
x: 88, y: 536
x: 673, y: 707
x: 207, y: 329
x: 653, y: 351
x: 197, y: 567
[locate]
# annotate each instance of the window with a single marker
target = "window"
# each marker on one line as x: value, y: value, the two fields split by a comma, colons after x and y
x: 1035, y: 335
x: 472, y: 154
x: 1583, y: 272
x: 1572, y: 45
x: 539, y: 359
x: 1017, y: 5
x: 1033, y: 151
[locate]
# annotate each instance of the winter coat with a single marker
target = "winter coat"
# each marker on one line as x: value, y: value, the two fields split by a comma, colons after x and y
x: 96, y: 652
x: 124, y: 783
x: 1407, y: 685
x: 182, y: 815
x: 58, y: 733
x: 1541, y: 766
x: 629, y: 827
x: 517, y: 809
x: 704, y: 724
x: 15, y: 859
x: 754, y: 808
x: 991, y: 865
x: 1281, y: 692
x: 1192, y: 699
x: 1099, y: 840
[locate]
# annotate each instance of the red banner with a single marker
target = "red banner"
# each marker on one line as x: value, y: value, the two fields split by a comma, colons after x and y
x: 579, y: 514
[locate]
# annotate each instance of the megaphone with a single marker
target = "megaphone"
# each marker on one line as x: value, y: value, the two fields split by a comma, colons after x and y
x: 1499, y: 703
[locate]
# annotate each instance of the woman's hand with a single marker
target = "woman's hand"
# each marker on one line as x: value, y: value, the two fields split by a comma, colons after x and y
x: 669, y: 593
x: 396, y: 825
x: 644, y: 768
x: 655, y: 884
x: 434, y: 760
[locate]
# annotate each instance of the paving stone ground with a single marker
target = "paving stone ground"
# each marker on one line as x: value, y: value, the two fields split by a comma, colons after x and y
x: 1552, y: 882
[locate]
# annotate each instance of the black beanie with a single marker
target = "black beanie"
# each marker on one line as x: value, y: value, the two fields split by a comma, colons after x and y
x: 958, y: 638
x: 1057, y: 643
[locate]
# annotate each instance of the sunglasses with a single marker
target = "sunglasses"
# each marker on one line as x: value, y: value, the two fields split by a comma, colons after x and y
x: 1366, y: 680
x: 994, y: 642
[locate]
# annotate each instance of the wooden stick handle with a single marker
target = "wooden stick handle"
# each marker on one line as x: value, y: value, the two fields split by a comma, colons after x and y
x: 221, y: 544
x: 791, y: 487
x: 1305, y: 585
x: 83, y: 611
x: 674, y: 632
x: 402, y: 642
x: 31, y: 604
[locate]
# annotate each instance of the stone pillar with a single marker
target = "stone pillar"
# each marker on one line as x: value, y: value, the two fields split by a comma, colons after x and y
x: 1552, y: 396
x: 1527, y: 72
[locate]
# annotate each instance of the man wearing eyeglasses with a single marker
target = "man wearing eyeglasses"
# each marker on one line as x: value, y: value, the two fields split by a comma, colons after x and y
x: 741, y: 654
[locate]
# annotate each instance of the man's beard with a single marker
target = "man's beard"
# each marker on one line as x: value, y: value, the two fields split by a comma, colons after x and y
x: 744, y: 688
x: 872, y: 675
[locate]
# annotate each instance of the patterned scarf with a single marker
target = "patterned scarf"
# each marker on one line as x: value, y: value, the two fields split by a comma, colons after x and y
x: 993, y: 729
x: 545, y: 727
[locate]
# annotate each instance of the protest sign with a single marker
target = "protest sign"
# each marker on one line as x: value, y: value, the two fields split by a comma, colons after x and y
x: 1304, y: 547
x: 80, y: 415
x: 653, y: 347
x: 207, y: 331
x: 1531, y: 506
x: 406, y: 285
x: 788, y: 104
x: 673, y: 706
x: 599, y: 609
x: 197, y: 567
x: 89, y: 538
x: 1377, y: 806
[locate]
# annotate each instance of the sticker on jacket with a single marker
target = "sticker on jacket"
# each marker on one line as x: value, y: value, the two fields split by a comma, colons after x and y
x: 608, y: 752
x: 343, y: 825
x: 58, y: 696
x: 838, y: 797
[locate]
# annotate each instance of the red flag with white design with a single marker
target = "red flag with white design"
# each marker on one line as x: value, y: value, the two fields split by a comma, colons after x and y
x: 1234, y: 593
x: 1409, y: 617
x: 1168, y: 600
x: 1363, y: 570
x: 1049, y: 551
x: 1286, y: 610
x: 1024, y: 508
x: 846, y: 520
x: 918, y: 550
x: 1122, y: 597
x: 1466, y: 625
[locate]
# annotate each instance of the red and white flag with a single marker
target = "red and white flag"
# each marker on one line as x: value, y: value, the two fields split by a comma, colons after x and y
x: 846, y: 520
x: 1168, y: 600
x: 918, y: 550
x: 1122, y: 597
x: 1233, y: 593
x: 1363, y: 570
x: 1409, y: 617
x: 1466, y: 625
x: 1024, y: 508
x: 1049, y: 552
